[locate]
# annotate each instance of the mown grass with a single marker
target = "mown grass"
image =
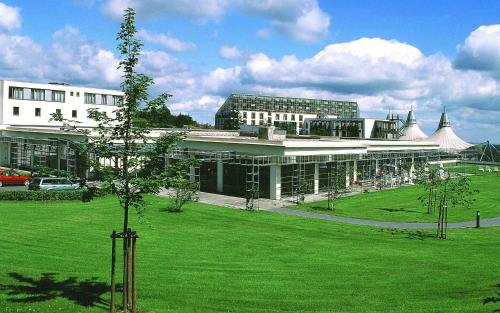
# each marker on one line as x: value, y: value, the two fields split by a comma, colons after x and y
x: 402, y: 204
x: 212, y: 259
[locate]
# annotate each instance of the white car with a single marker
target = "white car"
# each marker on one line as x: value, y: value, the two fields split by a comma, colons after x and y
x: 52, y: 183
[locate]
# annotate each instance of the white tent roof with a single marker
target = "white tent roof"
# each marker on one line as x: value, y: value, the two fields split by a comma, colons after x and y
x: 412, y: 131
x: 446, y: 138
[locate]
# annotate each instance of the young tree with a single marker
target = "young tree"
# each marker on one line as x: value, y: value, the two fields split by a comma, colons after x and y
x: 431, y: 181
x: 334, y: 186
x: 181, y: 186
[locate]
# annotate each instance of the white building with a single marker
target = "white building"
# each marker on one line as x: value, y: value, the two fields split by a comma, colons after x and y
x: 31, y: 104
x: 28, y: 136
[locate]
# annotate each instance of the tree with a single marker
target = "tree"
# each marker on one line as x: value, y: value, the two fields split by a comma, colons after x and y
x: 445, y: 192
x: 431, y: 181
x: 182, y: 187
x: 335, y: 183
x: 233, y: 120
x: 123, y: 137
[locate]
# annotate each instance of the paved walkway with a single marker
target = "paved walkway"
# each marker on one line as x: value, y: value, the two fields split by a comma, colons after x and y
x: 278, y: 206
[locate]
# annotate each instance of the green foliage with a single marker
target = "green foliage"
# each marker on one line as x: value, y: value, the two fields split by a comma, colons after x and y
x: 233, y: 120
x: 157, y: 115
x: 45, y: 195
x: 181, y: 187
x: 45, y: 171
x: 41, y: 195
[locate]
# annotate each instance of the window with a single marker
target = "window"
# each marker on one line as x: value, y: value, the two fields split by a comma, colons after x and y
x: 58, y: 96
x: 261, y: 116
x: 78, y: 94
x: 285, y: 117
x: 293, y: 117
x: 15, y: 93
x: 104, y: 99
x: 89, y: 98
x: 38, y: 112
x: 15, y: 111
x: 277, y: 117
x: 117, y: 100
x: 58, y: 111
x: 244, y: 115
x: 37, y: 94
x: 71, y: 93
x: 300, y: 117
x: 253, y: 115
x: 74, y: 113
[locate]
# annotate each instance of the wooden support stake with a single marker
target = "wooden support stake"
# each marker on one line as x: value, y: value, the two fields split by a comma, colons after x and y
x: 129, y: 268
x: 134, y: 272
x: 113, y: 269
x: 125, y: 271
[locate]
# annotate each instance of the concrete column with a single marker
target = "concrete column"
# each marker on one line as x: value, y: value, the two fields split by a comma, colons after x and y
x: 316, y: 178
x: 355, y: 171
x: 192, y: 174
x: 411, y: 175
x: 220, y: 176
x: 347, y: 172
x: 376, y: 167
x: 275, y: 182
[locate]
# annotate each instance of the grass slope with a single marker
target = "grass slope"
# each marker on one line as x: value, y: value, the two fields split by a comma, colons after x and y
x: 211, y: 259
x: 402, y: 204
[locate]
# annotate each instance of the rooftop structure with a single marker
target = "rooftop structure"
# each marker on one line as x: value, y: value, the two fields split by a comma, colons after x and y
x: 412, y: 131
x: 446, y: 138
x: 285, y: 112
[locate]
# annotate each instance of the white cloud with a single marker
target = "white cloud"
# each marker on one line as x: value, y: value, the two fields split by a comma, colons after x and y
x: 166, y: 40
x: 10, y: 17
x: 199, y: 106
x: 481, y: 50
x: 379, y: 74
x: 230, y: 52
x: 153, y: 9
x: 70, y: 58
x: 311, y: 26
x: 301, y: 20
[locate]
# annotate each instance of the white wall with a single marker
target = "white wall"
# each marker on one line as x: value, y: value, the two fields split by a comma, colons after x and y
x: 27, y: 107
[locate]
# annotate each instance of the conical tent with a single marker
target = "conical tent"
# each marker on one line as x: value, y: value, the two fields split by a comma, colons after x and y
x: 446, y: 137
x: 412, y: 131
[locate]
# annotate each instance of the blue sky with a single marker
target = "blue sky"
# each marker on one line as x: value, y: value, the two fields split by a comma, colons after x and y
x: 383, y: 54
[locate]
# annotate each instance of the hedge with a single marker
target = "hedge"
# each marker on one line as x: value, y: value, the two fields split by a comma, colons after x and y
x: 37, y: 195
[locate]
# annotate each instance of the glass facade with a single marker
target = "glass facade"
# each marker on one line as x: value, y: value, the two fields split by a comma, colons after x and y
x: 270, y: 104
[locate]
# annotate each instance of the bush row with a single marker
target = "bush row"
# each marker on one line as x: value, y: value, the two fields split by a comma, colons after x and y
x: 37, y: 195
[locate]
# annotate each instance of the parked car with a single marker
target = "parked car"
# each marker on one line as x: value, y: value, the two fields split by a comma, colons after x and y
x: 52, y: 183
x: 11, y: 177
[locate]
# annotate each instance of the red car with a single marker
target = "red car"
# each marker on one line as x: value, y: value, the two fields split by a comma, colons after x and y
x: 11, y: 177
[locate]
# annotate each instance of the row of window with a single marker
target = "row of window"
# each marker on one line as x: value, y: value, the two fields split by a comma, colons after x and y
x: 60, y: 96
x: 38, y: 112
x: 276, y: 116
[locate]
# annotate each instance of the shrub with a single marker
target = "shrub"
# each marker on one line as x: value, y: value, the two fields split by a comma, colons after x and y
x: 37, y: 195
x: 43, y: 195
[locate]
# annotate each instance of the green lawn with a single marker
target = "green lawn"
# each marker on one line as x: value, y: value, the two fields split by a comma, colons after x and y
x: 402, y: 204
x: 211, y: 259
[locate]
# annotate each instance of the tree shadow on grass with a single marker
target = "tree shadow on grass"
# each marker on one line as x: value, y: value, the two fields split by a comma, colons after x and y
x: 410, y: 234
x: 87, y: 293
x: 398, y: 210
x: 493, y: 299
